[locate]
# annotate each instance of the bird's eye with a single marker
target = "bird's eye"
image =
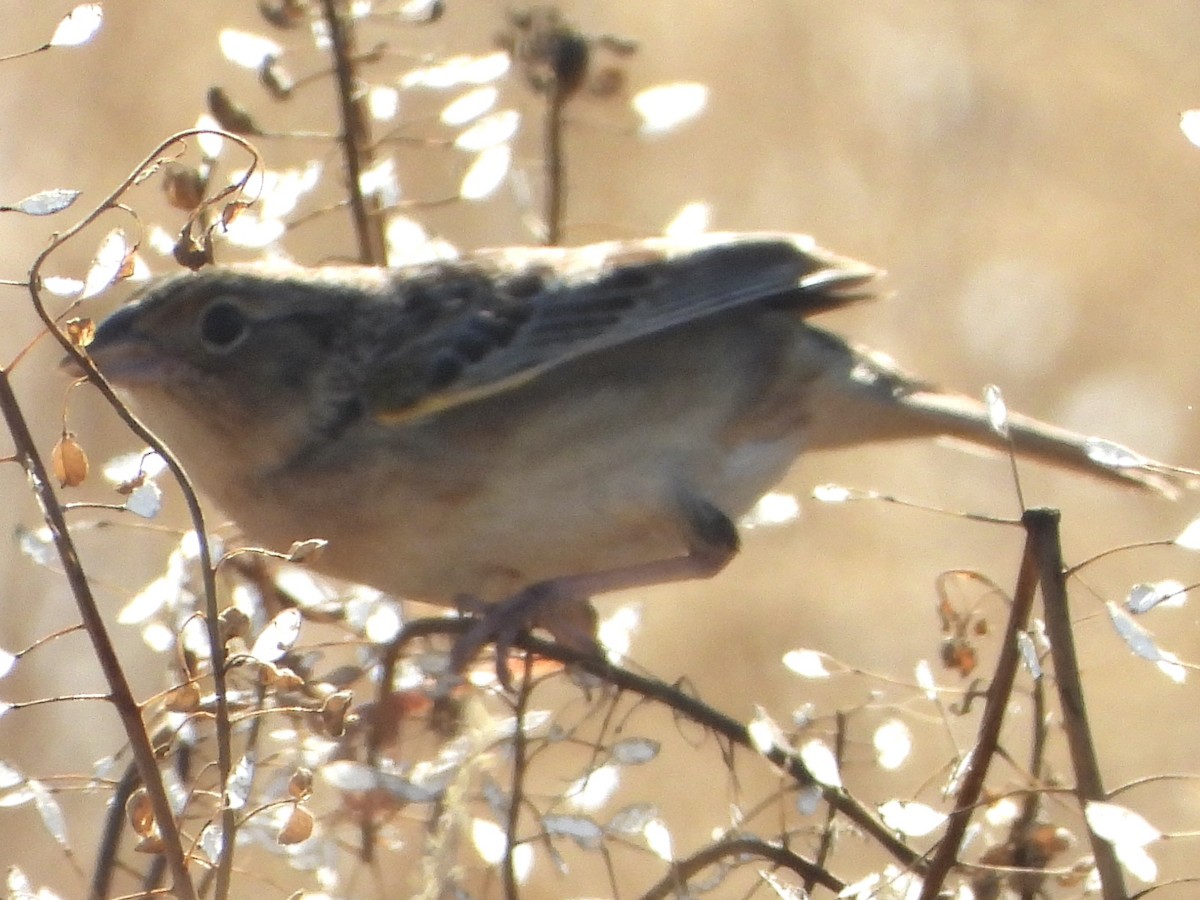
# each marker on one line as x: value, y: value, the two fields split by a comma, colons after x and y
x: 222, y: 327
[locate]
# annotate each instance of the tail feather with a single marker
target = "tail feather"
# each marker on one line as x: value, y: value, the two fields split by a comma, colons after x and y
x: 958, y: 416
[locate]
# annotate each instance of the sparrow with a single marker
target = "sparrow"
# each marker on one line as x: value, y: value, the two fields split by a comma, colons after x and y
x: 520, y: 429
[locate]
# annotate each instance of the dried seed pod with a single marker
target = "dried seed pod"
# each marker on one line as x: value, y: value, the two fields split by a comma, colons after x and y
x: 69, y: 461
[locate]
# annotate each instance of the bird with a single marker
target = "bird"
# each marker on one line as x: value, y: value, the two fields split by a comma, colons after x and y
x: 517, y: 430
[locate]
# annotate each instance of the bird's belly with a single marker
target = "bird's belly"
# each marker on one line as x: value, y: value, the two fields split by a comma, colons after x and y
x: 523, y: 521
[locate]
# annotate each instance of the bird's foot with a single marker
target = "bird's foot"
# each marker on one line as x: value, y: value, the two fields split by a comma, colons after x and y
x: 549, y: 605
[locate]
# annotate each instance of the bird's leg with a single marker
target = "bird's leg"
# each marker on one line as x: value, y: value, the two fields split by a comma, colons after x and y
x: 562, y: 605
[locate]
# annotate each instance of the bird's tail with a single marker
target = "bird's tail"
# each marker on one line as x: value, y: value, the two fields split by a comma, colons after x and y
x: 958, y: 416
x: 860, y: 397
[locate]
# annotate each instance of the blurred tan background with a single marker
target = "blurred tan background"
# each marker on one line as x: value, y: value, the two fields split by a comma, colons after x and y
x: 1017, y: 168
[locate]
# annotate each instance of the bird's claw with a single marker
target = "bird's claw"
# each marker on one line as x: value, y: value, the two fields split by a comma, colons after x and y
x: 570, y: 619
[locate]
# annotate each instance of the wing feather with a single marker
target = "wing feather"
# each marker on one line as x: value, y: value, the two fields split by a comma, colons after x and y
x: 497, y: 319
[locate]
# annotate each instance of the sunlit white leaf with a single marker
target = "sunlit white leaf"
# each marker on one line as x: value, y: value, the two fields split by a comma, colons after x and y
x: 494, y: 128
x: 44, y: 203
x: 1119, y: 825
x: 658, y: 839
x: 145, y: 501
x: 78, y: 26
x: 863, y: 888
x: 1138, y: 862
x: 420, y: 11
x: 667, y: 106
x: 821, y: 763
x: 635, y: 751
x: 383, y: 102
x: 1029, y: 654
x: 7, y: 662
x: 50, y: 812
x: 348, y: 775
x: 1002, y: 813
x: 780, y: 889
x: 691, y: 220
x: 924, y: 675
x: 1112, y: 454
x: 384, y: 622
x: 164, y: 591
x: 582, y: 830
x: 380, y: 182
x: 409, y: 244
x: 278, y: 637
x: 237, y: 788
x: 459, y: 70
x: 19, y: 795
x: 591, y: 791
x: 468, y: 106
x: 1136, y: 637
x: 242, y: 48
x: 616, y: 631
x: 1169, y: 664
x: 18, y: 885
x: 486, y: 173
x: 893, y: 744
x: 774, y: 508
x: 809, y: 798
x: 806, y: 663
x: 250, y: 230
x: 765, y: 735
x: 212, y: 841
x: 1144, y: 597
x: 107, y: 264
x: 9, y: 776
x: 128, y: 467
x: 60, y: 286
x: 193, y: 637
x: 832, y: 493
x: 910, y: 817
x: 37, y: 544
x: 997, y: 410
x: 1189, y: 124
x: 158, y: 637
x: 490, y: 840
x: 1189, y: 538
x: 631, y: 820
x: 279, y: 191
x: 954, y: 782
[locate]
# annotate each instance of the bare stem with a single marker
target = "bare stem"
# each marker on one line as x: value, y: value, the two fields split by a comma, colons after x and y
x: 136, y: 732
x: 997, y: 701
x: 120, y: 692
x: 355, y: 136
x: 1088, y: 784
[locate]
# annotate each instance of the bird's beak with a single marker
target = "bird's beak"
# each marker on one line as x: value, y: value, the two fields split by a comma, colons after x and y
x: 117, y: 350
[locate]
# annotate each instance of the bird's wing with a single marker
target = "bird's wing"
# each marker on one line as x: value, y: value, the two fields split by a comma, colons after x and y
x: 496, y: 319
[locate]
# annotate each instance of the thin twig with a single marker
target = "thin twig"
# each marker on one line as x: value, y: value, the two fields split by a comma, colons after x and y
x: 106, y: 655
x: 135, y: 728
x: 519, y: 748
x: 688, y: 707
x: 555, y: 166
x: 685, y: 869
x: 1088, y: 783
x: 994, y: 708
x: 356, y: 145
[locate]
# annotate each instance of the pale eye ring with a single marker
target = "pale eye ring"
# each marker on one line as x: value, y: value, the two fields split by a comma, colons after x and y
x: 222, y: 326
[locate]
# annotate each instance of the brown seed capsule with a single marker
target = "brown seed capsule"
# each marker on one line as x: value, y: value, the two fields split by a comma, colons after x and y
x: 80, y: 330
x: 299, y: 827
x: 69, y: 461
x: 184, y: 186
x: 300, y: 784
